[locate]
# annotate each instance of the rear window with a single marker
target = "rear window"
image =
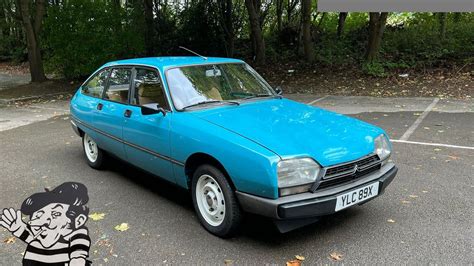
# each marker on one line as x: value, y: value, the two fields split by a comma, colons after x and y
x: 95, y: 86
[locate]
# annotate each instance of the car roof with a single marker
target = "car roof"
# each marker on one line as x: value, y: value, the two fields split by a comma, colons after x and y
x: 165, y: 62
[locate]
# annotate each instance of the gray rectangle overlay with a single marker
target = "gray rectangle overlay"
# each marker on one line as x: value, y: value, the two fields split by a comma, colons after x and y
x: 395, y: 6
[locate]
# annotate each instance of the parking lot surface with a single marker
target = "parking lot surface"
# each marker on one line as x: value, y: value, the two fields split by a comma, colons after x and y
x: 424, y: 216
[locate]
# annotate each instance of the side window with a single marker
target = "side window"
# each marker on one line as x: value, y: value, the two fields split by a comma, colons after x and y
x: 95, y: 86
x: 119, y: 85
x: 149, y: 89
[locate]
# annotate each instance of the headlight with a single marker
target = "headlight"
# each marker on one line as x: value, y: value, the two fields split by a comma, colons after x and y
x: 382, y: 147
x: 297, y: 174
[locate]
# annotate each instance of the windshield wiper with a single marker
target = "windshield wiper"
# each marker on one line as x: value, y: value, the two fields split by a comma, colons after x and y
x: 261, y: 96
x: 210, y: 101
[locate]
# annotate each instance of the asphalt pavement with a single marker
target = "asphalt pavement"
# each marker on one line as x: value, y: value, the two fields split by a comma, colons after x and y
x: 424, y: 216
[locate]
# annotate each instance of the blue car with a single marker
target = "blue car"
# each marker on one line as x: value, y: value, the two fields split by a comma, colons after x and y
x: 215, y: 127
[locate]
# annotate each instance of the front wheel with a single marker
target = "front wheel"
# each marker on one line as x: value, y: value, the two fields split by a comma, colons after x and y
x: 94, y: 155
x: 215, y: 202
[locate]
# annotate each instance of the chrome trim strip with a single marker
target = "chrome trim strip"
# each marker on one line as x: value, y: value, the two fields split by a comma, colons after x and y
x: 128, y: 143
x: 363, y: 167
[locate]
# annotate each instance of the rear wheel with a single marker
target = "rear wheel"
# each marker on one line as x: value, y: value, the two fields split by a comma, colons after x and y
x: 94, y: 155
x: 215, y: 202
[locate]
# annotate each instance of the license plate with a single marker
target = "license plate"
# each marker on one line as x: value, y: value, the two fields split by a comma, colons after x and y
x: 350, y: 198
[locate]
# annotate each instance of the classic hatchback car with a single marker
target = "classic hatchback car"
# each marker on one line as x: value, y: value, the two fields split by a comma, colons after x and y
x: 215, y: 127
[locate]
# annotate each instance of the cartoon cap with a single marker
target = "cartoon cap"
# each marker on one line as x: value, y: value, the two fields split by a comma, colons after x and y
x: 71, y: 193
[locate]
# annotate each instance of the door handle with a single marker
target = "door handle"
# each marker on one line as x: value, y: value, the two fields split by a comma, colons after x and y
x: 99, y: 106
x: 127, y: 113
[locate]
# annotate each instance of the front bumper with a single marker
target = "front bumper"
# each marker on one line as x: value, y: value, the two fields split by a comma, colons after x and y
x: 310, y: 204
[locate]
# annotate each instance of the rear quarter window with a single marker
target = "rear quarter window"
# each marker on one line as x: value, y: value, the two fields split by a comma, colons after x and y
x: 95, y: 86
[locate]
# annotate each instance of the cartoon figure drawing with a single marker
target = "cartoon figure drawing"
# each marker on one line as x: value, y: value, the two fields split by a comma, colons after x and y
x: 56, y: 232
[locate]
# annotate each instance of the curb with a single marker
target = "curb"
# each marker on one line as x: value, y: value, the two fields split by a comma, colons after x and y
x: 9, y: 101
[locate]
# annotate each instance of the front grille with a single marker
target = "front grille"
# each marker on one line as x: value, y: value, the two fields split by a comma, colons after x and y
x: 343, y: 169
x: 344, y: 173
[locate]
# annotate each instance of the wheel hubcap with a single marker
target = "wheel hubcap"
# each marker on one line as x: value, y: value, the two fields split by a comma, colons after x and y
x: 210, y: 200
x: 91, y: 148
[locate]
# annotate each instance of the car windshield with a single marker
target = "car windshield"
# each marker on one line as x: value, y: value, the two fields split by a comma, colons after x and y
x: 192, y: 86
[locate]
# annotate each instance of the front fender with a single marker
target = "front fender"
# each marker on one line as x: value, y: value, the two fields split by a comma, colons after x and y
x: 251, y: 166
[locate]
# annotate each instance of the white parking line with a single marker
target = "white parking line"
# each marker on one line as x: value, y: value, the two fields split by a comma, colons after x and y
x: 432, y: 144
x: 317, y: 100
x: 418, y: 121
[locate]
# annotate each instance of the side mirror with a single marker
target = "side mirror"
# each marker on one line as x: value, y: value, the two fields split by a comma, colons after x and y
x: 150, y: 111
x: 278, y: 90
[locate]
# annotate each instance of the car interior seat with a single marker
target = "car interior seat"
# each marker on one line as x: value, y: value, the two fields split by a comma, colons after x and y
x: 214, y: 94
x: 151, y: 93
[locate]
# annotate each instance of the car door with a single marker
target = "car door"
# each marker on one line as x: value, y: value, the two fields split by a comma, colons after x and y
x: 112, y: 111
x: 146, y: 135
x: 85, y: 102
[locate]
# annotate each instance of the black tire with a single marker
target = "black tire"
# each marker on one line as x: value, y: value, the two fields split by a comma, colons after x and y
x: 100, y: 160
x: 233, y: 215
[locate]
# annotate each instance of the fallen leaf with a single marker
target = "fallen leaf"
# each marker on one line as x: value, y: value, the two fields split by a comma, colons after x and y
x: 228, y: 262
x: 122, y: 227
x: 9, y: 240
x: 97, y: 216
x: 391, y: 221
x: 299, y: 257
x: 335, y: 256
x: 453, y: 157
x: 293, y: 263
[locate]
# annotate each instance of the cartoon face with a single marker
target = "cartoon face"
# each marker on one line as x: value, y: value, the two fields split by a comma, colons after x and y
x: 49, y: 223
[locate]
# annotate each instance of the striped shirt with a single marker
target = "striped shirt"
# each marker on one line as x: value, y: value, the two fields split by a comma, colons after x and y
x: 74, y: 245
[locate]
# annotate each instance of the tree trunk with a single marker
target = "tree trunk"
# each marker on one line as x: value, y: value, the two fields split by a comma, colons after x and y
x: 149, y: 31
x: 279, y: 14
x: 341, y: 22
x: 306, y: 28
x: 253, y: 9
x: 291, y: 5
x: 442, y: 25
x: 32, y: 30
x: 227, y: 16
x: 376, y: 27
